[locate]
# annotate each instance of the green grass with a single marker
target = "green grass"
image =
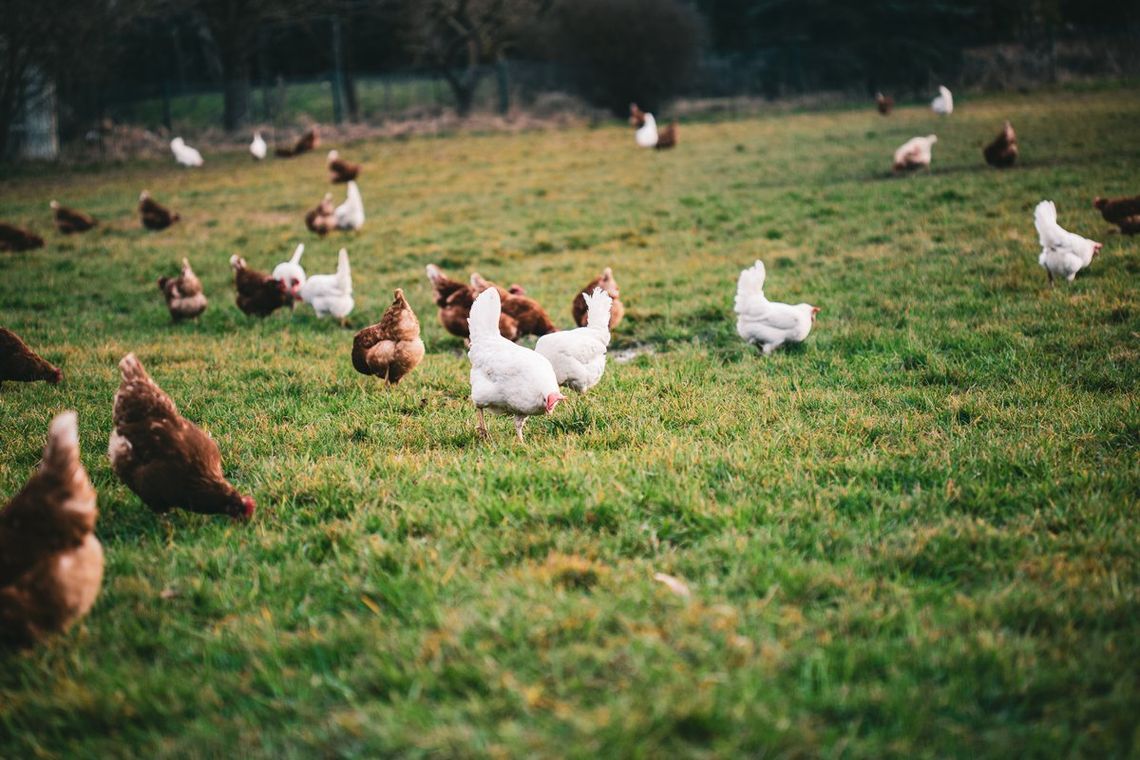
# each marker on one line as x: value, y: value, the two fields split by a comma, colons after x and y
x: 915, y: 535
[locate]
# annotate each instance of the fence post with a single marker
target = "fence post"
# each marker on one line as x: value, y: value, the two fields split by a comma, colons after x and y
x: 338, y: 73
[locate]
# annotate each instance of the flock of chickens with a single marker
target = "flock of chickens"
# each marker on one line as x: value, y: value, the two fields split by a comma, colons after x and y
x: 51, y: 564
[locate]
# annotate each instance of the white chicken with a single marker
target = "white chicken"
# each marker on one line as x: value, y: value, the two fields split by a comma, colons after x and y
x: 646, y: 134
x: 579, y: 356
x: 506, y: 378
x: 350, y: 214
x: 764, y: 323
x: 915, y: 153
x: 943, y: 105
x: 1063, y: 253
x: 258, y: 148
x: 184, y: 154
x: 330, y: 294
x: 290, y: 272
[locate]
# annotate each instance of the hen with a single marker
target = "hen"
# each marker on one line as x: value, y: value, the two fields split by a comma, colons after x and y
x: 184, y: 154
x: 290, y: 272
x: 606, y: 282
x: 668, y: 137
x: 943, y: 105
x: 764, y: 323
x: 321, y: 219
x: 330, y: 294
x: 454, y: 300
x: 350, y: 214
x: 391, y: 348
x: 165, y: 459
x: 636, y: 116
x: 258, y: 294
x: 341, y: 170
x: 22, y: 364
x: 1002, y: 152
x: 183, y: 294
x: 884, y: 103
x: 530, y: 317
x: 258, y: 148
x: 1063, y: 253
x: 307, y: 142
x: 51, y: 564
x: 646, y: 135
x: 13, y: 238
x: 154, y: 215
x: 915, y: 153
x: 579, y: 356
x: 506, y: 378
x: 69, y: 220
x: 1123, y: 212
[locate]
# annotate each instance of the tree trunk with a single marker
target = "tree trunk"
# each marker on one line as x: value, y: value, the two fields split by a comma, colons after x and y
x: 236, y: 105
x: 350, y: 100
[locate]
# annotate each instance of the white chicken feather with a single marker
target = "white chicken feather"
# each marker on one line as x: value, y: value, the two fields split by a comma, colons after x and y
x: 258, y: 148
x: 579, y: 356
x: 506, y: 378
x: 291, y: 272
x: 646, y: 134
x: 350, y: 214
x: 943, y: 105
x: 915, y: 153
x: 1063, y: 253
x: 330, y: 294
x: 767, y: 324
x: 184, y: 154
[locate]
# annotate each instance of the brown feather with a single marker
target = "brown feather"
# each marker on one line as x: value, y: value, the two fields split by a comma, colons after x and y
x: 606, y: 282
x: 22, y: 364
x: 13, y: 238
x: 258, y: 294
x: 69, y: 221
x: 392, y: 347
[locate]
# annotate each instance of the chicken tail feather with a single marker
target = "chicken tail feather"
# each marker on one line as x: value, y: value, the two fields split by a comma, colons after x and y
x: 598, y: 309
x: 484, y: 320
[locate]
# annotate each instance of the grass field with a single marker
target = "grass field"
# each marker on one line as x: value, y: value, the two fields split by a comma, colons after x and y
x: 915, y: 535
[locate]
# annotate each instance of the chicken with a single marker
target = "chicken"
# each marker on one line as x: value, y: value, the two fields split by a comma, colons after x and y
x: 184, y: 154
x: 13, y: 238
x: 1123, y: 212
x: 579, y: 356
x: 307, y: 142
x: 454, y: 300
x: 646, y: 135
x: 330, y: 294
x: 350, y: 214
x: 1002, y: 152
x: 22, y: 364
x: 154, y: 215
x: 164, y: 458
x: 51, y: 564
x: 392, y: 347
x: 636, y: 116
x: 321, y: 219
x: 885, y: 103
x: 764, y: 323
x: 668, y: 137
x: 69, y: 220
x: 341, y: 170
x: 530, y: 317
x: 258, y: 148
x: 1063, y: 253
x: 943, y: 105
x: 290, y: 272
x: 606, y: 282
x: 258, y: 294
x: 505, y: 377
x: 915, y: 153
x: 184, y: 296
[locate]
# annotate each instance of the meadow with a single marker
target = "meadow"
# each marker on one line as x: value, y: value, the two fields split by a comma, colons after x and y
x: 915, y: 535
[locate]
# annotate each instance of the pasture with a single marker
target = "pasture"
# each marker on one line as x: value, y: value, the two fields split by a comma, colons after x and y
x: 914, y: 535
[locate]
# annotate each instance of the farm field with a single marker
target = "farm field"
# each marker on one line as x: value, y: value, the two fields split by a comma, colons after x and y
x: 914, y: 535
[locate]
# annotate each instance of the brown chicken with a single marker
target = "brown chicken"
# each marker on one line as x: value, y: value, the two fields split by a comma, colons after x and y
x: 68, y: 220
x: 606, y: 282
x: 885, y: 103
x: 154, y: 215
x: 341, y: 170
x: 1123, y: 212
x: 636, y: 116
x: 164, y: 458
x: 322, y: 218
x: 391, y: 348
x: 13, y: 238
x: 668, y: 137
x: 184, y: 296
x: 258, y: 294
x: 454, y: 300
x: 530, y: 316
x: 51, y: 564
x: 22, y: 364
x: 1002, y: 152
x: 307, y: 142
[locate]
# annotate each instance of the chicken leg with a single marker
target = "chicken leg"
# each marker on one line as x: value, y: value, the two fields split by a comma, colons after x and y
x: 481, y: 425
x: 520, y: 420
